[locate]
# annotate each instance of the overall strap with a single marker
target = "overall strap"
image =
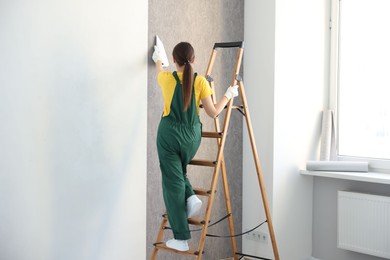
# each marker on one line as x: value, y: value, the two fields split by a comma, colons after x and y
x: 177, y: 107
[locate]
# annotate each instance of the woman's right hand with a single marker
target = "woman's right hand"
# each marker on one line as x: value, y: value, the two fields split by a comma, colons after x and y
x: 156, y: 54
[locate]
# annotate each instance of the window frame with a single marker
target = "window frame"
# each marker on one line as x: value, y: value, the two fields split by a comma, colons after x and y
x: 377, y: 165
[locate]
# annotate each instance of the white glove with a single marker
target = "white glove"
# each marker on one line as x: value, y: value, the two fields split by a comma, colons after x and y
x: 156, y: 54
x: 231, y: 92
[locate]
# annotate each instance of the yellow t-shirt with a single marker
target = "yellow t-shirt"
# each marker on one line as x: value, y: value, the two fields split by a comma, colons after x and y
x: 167, y: 82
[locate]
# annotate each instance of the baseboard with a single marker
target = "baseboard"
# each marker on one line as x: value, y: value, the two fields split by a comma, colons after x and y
x: 248, y: 258
x: 245, y: 258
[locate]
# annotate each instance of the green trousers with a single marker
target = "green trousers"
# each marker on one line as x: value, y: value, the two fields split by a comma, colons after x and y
x: 177, y: 145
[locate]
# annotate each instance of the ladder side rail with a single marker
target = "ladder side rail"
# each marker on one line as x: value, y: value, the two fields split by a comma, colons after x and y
x: 208, y: 209
x: 224, y: 174
x: 211, y: 62
x: 229, y: 210
x: 225, y: 182
x: 234, y: 82
x: 215, y: 176
x: 258, y: 169
x: 238, y: 65
x: 216, y: 169
x: 219, y: 161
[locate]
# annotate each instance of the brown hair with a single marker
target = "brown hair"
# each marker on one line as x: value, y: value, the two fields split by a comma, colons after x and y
x: 184, y: 54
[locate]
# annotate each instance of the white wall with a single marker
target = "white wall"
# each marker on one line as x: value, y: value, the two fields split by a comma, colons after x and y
x: 295, y: 100
x: 259, y: 60
x: 73, y: 129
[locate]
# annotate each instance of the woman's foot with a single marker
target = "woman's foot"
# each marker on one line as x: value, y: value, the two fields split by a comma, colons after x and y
x: 193, y: 206
x: 180, y: 245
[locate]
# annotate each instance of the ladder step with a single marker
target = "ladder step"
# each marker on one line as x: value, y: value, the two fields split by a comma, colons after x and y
x: 212, y: 134
x: 204, y: 163
x: 202, y: 192
x: 191, y: 221
x: 162, y: 246
x: 196, y: 221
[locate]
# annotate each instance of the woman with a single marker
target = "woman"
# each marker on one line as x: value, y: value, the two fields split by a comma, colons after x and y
x: 179, y: 136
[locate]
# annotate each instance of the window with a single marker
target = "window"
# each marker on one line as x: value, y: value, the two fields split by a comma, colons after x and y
x: 360, y: 80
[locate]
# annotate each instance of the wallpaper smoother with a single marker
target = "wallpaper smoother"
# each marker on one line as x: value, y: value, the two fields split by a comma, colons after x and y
x: 202, y: 23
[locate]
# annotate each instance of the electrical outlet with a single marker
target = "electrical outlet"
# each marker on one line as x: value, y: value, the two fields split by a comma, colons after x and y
x: 263, y: 237
x: 257, y: 236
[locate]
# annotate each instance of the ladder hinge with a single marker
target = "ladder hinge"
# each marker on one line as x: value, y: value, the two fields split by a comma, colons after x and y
x: 197, y: 252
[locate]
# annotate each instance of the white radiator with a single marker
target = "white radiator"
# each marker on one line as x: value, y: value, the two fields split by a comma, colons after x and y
x: 364, y: 223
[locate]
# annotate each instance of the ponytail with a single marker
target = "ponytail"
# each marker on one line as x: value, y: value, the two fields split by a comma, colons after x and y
x: 188, y: 80
x: 183, y: 53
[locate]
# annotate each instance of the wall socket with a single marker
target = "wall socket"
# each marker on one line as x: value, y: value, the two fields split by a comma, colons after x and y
x: 258, y: 236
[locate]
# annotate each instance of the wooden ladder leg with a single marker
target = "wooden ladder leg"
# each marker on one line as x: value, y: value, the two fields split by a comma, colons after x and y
x: 215, y: 175
x: 229, y: 210
x: 208, y: 212
x: 159, y: 237
x: 226, y: 191
x: 258, y: 169
x: 224, y: 175
x: 215, y: 178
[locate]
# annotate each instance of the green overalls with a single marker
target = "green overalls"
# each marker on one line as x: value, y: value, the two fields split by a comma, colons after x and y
x: 178, y: 139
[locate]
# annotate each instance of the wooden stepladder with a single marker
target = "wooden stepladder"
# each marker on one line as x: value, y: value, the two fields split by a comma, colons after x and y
x: 219, y: 167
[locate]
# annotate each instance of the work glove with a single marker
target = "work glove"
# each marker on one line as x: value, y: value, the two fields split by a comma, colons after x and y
x: 231, y: 92
x: 156, y: 54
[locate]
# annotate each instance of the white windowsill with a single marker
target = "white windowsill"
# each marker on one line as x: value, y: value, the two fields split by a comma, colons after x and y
x: 374, y: 177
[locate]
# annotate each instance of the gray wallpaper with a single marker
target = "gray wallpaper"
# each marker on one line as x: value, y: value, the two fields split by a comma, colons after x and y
x: 202, y: 23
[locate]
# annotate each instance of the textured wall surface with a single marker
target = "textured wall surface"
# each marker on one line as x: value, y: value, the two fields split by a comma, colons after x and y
x: 202, y: 23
